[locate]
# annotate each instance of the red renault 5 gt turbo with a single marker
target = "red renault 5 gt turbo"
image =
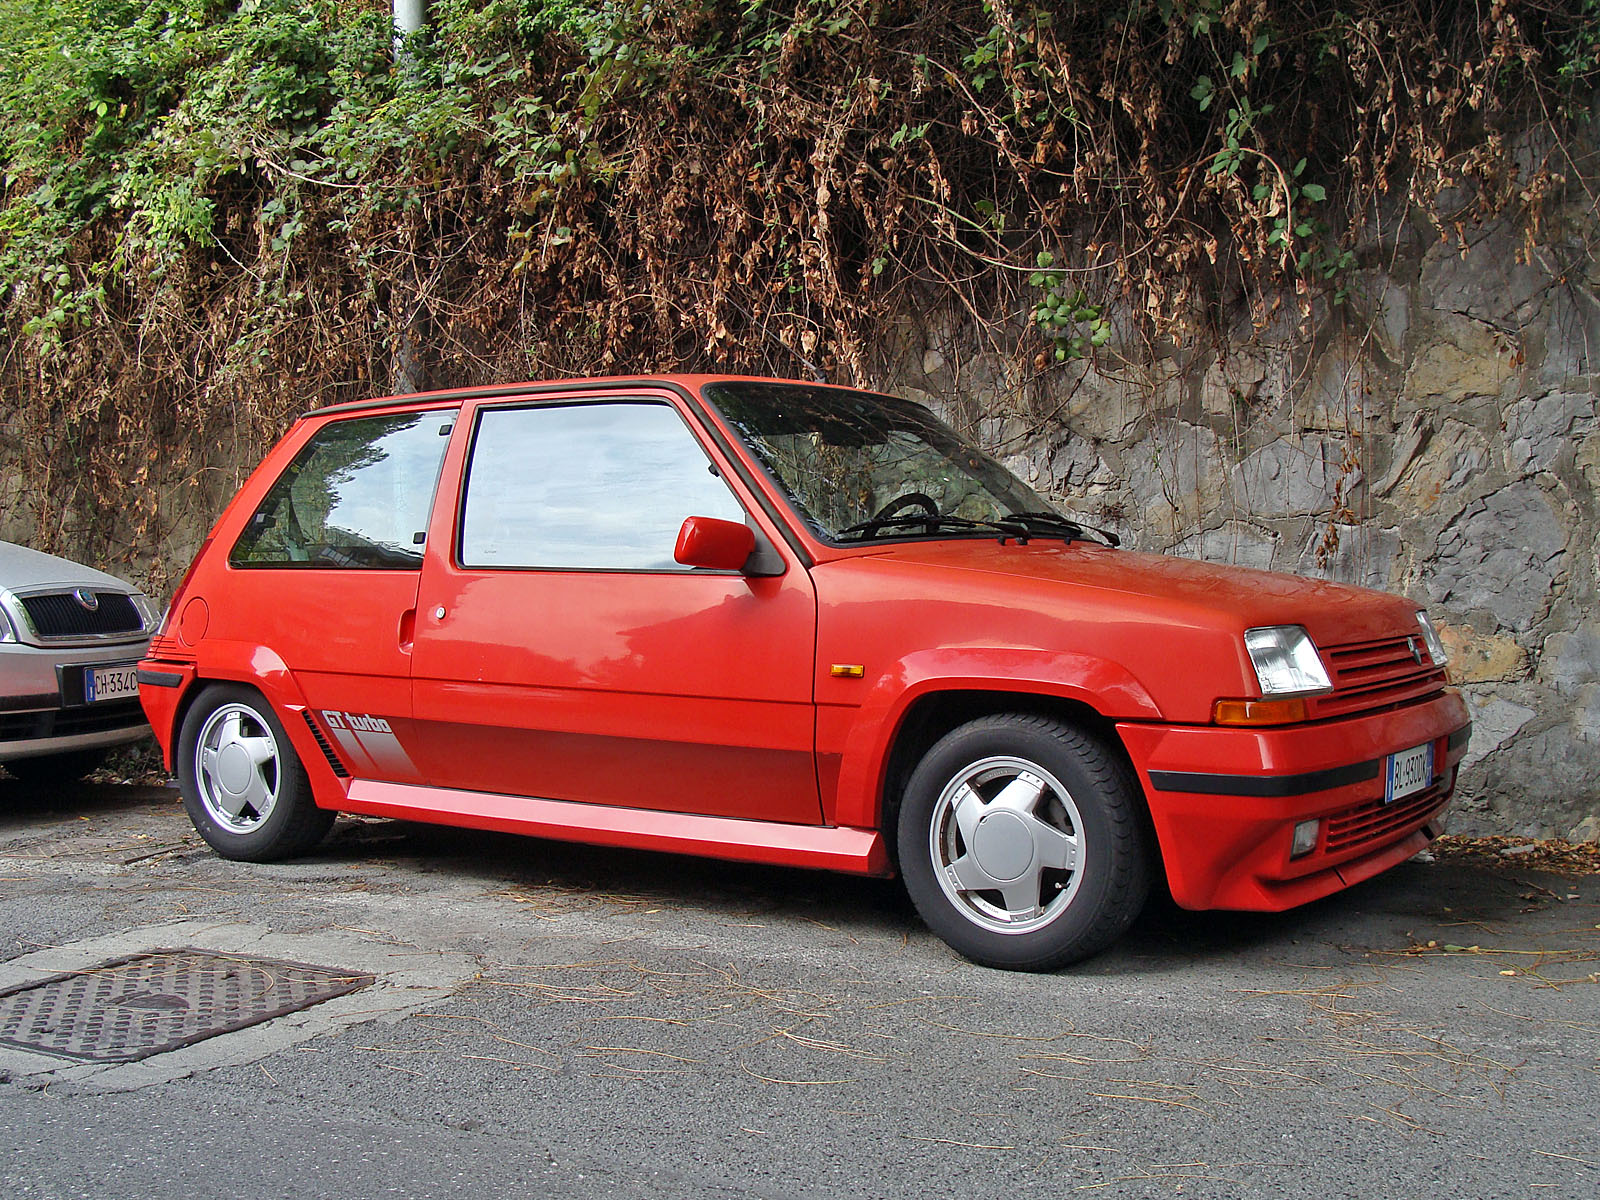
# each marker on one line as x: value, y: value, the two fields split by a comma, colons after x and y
x: 790, y: 623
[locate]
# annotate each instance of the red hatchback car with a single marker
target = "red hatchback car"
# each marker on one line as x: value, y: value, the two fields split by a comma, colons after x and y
x: 790, y: 623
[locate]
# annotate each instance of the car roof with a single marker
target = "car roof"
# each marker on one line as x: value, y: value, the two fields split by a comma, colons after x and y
x: 683, y: 384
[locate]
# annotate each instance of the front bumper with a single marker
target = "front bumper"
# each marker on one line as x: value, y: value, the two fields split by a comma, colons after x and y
x: 1225, y: 801
x: 37, y: 715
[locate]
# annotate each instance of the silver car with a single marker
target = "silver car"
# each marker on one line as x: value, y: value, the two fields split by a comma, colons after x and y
x: 70, y: 637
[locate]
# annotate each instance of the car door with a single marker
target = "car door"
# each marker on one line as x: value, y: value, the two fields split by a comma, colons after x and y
x: 323, y: 581
x: 562, y: 653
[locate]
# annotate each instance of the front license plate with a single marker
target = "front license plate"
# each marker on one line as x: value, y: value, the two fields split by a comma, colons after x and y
x: 1408, y: 771
x: 120, y: 682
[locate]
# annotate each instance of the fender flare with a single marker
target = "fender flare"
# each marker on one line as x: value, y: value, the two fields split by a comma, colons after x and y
x: 1106, y: 687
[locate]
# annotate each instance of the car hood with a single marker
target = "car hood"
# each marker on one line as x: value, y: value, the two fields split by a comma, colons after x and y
x: 23, y: 569
x: 1157, y: 587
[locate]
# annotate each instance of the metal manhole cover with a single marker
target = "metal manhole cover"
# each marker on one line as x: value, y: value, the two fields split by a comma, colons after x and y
x: 131, y: 1008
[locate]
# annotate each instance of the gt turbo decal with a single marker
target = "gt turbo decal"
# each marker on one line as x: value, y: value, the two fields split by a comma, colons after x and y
x: 344, y: 720
x: 370, y: 741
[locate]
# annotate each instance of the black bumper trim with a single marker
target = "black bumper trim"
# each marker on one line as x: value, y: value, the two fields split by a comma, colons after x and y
x: 43, y: 700
x: 1274, y: 786
x: 160, y: 678
x: 1277, y: 786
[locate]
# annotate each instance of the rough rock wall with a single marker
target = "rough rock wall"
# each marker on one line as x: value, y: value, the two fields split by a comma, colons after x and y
x: 1436, y: 437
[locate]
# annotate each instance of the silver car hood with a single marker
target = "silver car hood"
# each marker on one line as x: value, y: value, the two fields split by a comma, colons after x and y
x: 23, y: 569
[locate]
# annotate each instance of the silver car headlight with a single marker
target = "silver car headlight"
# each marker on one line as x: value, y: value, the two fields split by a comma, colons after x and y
x: 8, y: 632
x: 1430, y: 638
x: 149, y: 614
x: 1285, y: 660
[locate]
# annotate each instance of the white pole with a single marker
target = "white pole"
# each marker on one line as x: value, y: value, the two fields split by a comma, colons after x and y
x: 409, y: 18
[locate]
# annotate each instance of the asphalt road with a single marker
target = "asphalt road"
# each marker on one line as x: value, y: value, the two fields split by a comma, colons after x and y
x: 558, y: 1021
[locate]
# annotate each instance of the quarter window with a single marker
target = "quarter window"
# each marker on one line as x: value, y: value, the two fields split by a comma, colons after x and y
x: 357, y: 495
x: 586, y: 486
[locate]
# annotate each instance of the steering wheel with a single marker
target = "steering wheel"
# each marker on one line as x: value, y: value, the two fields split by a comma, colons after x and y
x: 899, y: 503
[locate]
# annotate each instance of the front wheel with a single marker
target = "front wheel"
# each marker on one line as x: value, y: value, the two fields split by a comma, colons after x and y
x: 1022, y: 843
x: 243, y: 784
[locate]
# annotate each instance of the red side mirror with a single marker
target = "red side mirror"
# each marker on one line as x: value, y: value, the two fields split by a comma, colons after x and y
x: 714, y: 544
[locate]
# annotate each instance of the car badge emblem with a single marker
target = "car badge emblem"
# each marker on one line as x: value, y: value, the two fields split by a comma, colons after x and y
x: 86, y: 598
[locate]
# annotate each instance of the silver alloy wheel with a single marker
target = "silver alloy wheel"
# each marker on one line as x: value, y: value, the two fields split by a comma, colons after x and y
x: 1006, y: 844
x: 237, y: 768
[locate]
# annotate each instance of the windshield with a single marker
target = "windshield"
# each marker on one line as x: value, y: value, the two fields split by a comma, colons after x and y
x: 860, y: 466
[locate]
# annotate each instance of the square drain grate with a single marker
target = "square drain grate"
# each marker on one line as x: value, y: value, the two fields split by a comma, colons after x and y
x: 134, y: 1007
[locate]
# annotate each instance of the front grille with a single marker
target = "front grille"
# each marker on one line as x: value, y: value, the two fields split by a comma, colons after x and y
x: 64, y: 722
x: 60, y: 615
x: 1377, y: 674
x: 1375, y: 822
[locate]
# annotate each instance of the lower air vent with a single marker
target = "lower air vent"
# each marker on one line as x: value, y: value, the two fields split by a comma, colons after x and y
x: 65, y: 722
x: 327, y: 750
x: 1377, y: 823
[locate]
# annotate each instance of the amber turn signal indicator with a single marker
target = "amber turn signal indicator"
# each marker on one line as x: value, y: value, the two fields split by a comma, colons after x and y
x: 1260, y: 712
x: 847, y: 670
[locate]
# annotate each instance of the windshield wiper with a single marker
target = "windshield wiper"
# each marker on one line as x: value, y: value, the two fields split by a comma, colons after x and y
x: 933, y: 522
x: 1036, y: 522
x: 1019, y: 525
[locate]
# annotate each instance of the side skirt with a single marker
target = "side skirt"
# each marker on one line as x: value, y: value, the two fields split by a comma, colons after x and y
x: 832, y: 848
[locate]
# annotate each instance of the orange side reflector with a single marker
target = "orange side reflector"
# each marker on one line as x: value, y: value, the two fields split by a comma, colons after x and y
x: 1260, y: 712
x: 847, y: 671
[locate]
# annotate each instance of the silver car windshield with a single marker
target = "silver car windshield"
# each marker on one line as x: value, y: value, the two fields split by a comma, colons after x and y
x: 858, y: 466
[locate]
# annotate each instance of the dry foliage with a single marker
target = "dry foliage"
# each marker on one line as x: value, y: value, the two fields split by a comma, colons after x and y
x: 207, y: 231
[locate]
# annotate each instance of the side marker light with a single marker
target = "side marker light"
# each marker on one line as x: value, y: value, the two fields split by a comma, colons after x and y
x: 1260, y: 712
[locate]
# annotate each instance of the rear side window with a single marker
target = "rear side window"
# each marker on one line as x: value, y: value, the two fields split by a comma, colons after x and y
x: 586, y: 487
x: 357, y: 495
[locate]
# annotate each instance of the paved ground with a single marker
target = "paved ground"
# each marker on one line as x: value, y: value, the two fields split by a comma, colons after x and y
x: 558, y: 1021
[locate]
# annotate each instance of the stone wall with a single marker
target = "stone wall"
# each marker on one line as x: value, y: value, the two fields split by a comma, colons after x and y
x: 1435, y: 436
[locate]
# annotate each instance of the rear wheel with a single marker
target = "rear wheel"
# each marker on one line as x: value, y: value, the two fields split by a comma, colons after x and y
x: 243, y: 784
x: 1022, y: 842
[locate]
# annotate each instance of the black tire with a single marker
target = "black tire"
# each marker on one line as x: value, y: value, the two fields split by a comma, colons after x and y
x: 243, y: 785
x: 1056, y: 826
x: 37, y: 773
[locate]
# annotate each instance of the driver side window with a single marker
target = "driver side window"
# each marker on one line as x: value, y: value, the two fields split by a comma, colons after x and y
x: 598, y: 486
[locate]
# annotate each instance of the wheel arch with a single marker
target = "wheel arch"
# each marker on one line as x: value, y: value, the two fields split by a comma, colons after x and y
x: 264, y: 672
x: 933, y: 715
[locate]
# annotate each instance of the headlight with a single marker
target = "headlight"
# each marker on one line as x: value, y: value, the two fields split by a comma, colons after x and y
x: 7, y: 632
x: 1430, y: 638
x: 149, y: 614
x: 1285, y: 660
